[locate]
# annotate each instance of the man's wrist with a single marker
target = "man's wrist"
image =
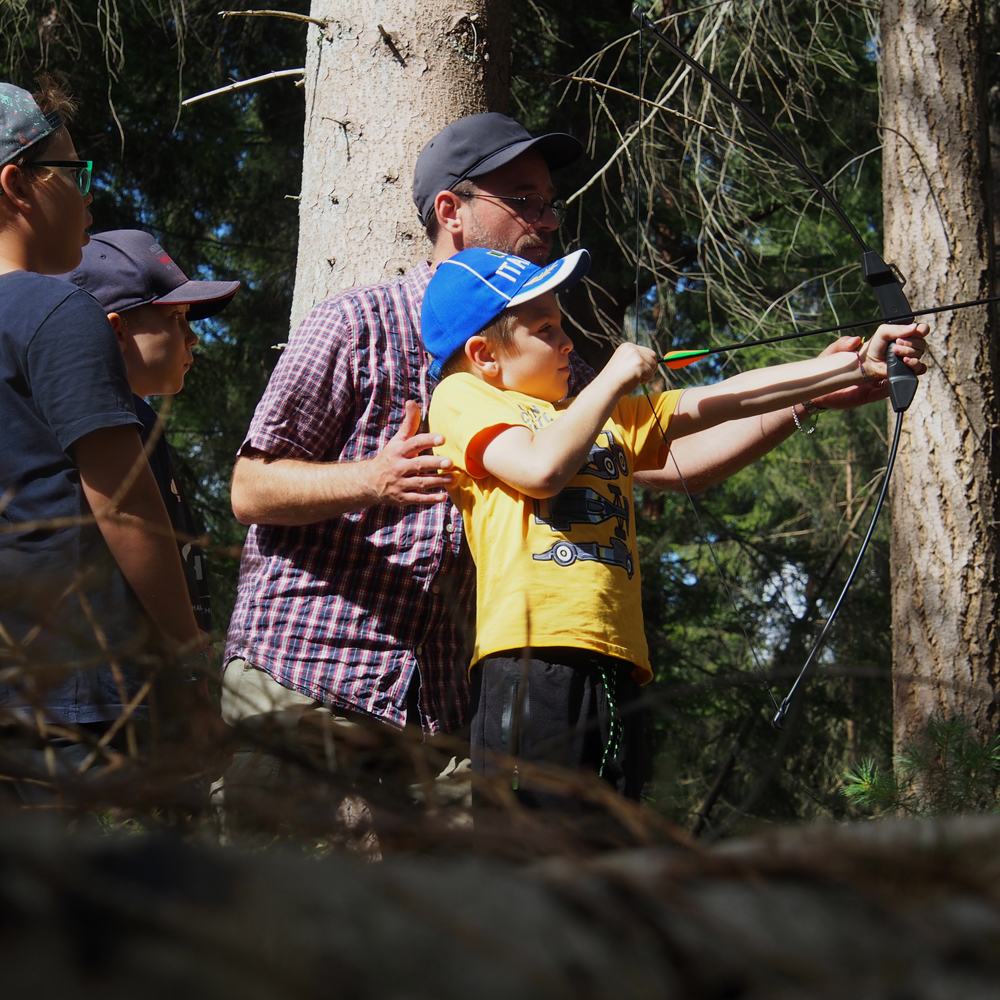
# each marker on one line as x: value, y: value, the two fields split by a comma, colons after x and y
x: 369, y: 490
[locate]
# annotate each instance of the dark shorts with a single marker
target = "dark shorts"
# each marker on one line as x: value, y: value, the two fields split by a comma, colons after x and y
x: 566, y: 706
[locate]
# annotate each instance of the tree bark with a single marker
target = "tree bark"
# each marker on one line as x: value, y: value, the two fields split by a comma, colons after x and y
x: 938, y: 229
x: 381, y: 79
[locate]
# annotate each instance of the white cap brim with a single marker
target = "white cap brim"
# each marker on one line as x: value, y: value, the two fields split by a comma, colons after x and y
x: 555, y: 277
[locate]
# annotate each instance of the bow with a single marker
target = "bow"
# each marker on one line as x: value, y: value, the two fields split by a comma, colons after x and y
x: 887, y: 284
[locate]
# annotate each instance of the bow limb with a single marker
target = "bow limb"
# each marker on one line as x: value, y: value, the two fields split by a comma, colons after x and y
x: 885, y: 281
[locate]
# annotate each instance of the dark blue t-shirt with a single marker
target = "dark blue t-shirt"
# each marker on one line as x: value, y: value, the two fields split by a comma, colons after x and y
x: 61, y: 592
x: 161, y: 461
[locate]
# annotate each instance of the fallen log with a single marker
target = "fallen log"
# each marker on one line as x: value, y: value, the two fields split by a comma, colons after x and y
x: 882, y: 910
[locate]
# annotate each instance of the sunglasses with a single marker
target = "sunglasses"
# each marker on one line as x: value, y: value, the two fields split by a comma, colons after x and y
x: 83, y: 170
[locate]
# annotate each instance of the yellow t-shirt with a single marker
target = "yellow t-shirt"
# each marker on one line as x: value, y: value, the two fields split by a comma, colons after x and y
x: 562, y: 571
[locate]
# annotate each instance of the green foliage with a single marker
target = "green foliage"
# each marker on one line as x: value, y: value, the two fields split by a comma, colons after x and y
x: 869, y: 787
x: 732, y: 244
x: 945, y: 771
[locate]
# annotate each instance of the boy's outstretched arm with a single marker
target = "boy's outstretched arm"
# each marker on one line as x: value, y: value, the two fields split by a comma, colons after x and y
x: 540, y: 463
x: 712, y: 455
x: 766, y: 389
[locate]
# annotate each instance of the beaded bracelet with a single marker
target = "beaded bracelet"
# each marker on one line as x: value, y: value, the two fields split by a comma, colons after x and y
x: 798, y: 423
x: 861, y: 365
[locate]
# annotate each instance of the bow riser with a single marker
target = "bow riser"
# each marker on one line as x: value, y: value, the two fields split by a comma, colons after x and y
x: 887, y: 284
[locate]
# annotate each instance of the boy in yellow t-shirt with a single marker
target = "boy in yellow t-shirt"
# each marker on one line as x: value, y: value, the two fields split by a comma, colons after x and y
x: 544, y: 484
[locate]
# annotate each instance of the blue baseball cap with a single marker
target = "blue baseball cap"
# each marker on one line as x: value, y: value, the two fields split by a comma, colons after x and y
x: 125, y: 268
x: 472, y: 288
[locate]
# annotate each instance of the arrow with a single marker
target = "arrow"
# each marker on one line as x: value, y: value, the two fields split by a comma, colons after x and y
x: 680, y: 359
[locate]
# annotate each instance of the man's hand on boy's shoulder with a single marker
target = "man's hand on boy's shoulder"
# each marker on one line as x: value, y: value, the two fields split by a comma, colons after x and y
x: 293, y: 491
x: 401, y: 475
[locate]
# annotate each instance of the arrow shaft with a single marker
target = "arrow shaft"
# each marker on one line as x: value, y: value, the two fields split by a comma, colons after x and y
x: 857, y: 324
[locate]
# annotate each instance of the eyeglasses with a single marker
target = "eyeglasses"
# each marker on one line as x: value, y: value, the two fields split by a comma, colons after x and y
x: 531, y: 207
x: 84, y: 169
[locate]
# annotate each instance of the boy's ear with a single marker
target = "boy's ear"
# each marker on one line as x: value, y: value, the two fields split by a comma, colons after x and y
x: 118, y: 325
x: 482, y: 356
x: 13, y: 181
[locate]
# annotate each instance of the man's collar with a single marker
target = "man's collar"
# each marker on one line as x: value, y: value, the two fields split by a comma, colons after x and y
x: 418, y: 277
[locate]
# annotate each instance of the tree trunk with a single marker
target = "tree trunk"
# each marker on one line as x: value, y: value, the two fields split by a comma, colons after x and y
x: 938, y: 229
x: 381, y: 79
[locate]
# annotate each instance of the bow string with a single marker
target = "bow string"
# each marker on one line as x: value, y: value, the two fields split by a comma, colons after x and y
x: 885, y: 281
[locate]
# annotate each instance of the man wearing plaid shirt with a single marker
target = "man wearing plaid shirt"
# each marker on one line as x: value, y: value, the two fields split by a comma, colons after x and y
x: 355, y: 591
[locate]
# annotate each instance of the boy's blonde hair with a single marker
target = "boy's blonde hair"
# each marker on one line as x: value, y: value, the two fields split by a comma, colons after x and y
x: 498, y: 333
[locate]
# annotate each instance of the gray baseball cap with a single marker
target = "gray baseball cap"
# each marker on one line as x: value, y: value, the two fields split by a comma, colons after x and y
x: 474, y: 146
x: 125, y: 268
x: 22, y: 122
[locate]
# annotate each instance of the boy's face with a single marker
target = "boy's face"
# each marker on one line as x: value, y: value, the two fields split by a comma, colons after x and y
x: 537, y: 363
x: 156, y: 341
x: 60, y: 215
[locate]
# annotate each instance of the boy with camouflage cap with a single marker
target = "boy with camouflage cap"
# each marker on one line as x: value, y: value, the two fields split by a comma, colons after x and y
x: 89, y: 571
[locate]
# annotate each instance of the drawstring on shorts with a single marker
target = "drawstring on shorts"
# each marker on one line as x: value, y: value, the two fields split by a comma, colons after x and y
x: 612, y: 748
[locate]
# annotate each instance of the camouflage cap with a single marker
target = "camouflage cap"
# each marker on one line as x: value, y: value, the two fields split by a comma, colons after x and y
x: 22, y: 122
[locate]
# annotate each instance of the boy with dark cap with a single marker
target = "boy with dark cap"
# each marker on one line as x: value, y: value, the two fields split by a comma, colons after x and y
x: 85, y: 541
x: 150, y: 303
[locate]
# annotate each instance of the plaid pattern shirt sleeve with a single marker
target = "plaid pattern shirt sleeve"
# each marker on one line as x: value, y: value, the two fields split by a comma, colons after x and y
x: 580, y: 374
x: 309, y: 397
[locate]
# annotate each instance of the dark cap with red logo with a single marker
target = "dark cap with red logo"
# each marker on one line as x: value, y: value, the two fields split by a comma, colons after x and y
x: 126, y: 268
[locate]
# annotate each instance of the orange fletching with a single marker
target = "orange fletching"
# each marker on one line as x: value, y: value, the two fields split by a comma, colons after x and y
x: 681, y: 359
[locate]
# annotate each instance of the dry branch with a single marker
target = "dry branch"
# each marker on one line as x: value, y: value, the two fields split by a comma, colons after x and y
x: 274, y: 13
x: 240, y: 84
x: 877, y: 910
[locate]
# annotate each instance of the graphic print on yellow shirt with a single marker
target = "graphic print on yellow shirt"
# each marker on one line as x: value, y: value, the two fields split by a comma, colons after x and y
x: 562, y: 571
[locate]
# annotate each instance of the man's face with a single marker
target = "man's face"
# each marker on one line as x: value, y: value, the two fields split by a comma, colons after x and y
x: 498, y: 225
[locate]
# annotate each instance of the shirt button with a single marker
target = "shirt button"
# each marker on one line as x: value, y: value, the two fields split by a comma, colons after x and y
x: 436, y: 589
x: 419, y: 650
x: 449, y: 527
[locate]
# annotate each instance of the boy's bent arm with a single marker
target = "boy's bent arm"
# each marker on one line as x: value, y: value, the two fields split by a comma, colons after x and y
x: 291, y: 491
x: 539, y: 464
x: 125, y: 500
